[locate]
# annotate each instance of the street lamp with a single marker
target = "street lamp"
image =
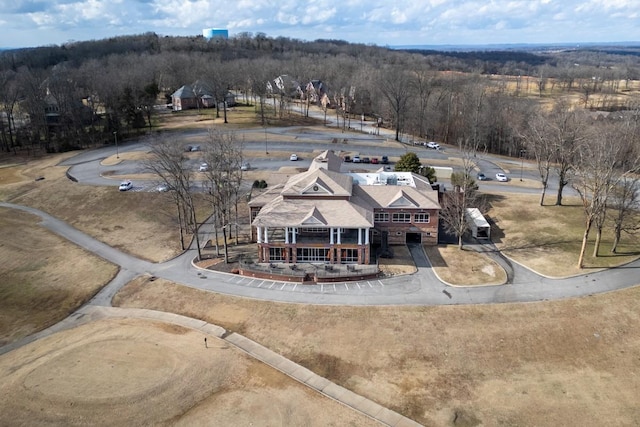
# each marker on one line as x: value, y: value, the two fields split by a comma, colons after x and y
x: 115, y: 136
x: 522, y: 153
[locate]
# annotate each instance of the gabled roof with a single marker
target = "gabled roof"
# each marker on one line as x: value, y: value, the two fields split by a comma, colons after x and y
x: 282, y: 212
x: 327, y: 160
x: 401, y: 199
x: 335, y: 184
x: 390, y: 196
x: 185, y: 92
x: 314, y: 218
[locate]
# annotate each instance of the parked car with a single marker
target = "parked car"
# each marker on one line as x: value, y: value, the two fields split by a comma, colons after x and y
x: 433, y: 145
x: 195, y: 148
x: 293, y: 157
x: 125, y: 186
x: 481, y: 176
x: 385, y: 160
x: 366, y: 160
x: 374, y: 160
x: 245, y: 166
x: 347, y: 159
x: 502, y: 177
x: 356, y: 159
x: 203, y: 167
x: 163, y: 188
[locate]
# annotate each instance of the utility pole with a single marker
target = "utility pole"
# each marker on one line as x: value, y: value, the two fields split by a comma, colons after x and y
x: 522, y: 153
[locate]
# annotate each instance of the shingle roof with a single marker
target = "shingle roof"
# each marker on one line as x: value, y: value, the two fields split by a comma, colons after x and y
x: 282, y: 212
x: 335, y: 184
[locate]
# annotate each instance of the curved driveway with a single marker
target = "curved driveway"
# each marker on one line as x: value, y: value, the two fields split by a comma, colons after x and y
x: 421, y: 288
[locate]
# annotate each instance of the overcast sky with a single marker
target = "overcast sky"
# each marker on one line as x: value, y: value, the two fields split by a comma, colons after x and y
x: 27, y: 23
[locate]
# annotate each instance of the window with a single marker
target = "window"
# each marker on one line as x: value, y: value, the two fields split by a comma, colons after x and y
x: 312, y: 255
x: 277, y: 254
x: 401, y: 217
x: 254, y: 214
x: 381, y: 217
x: 349, y: 255
x: 421, y: 217
x: 315, y: 230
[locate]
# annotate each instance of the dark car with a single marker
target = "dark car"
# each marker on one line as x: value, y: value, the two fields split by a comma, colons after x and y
x: 385, y: 160
x: 347, y: 159
x: 366, y: 160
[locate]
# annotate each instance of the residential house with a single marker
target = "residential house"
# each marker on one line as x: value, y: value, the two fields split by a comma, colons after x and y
x: 325, y: 216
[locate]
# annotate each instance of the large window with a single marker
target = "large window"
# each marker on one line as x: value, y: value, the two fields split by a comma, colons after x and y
x: 277, y: 254
x: 349, y: 255
x: 315, y: 230
x: 401, y: 217
x: 312, y: 255
x: 421, y: 217
x: 381, y: 217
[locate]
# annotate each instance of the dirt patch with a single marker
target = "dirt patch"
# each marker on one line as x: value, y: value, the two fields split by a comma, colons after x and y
x: 464, y: 267
x: 140, y: 372
x: 401, y: 263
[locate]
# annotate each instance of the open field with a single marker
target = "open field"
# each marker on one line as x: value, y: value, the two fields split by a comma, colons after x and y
x: 44, y: 281
x: 117, y: 372
x: 554, y: 363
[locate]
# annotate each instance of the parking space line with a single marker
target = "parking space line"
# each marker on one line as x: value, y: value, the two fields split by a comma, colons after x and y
x: 272, y: 285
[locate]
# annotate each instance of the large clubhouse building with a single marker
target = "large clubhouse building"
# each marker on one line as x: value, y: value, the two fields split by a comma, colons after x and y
x: 325, y: 216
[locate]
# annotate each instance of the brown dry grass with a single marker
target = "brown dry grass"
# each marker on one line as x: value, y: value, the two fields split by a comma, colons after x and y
x: 43, y: 278
x: 548, y: 238
x: 554, y: 363
x: 139, y: 372
x: 464, y: 268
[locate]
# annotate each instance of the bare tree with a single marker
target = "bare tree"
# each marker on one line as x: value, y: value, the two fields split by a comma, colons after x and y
x: 538, y: 142
x: 396, y: 89
x: 463, y: 196
x: 597, y: 172
x: 168, y: 162
x: 223, y: 152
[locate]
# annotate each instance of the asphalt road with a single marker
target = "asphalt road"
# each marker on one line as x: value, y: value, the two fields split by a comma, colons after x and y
x: 422, y: 288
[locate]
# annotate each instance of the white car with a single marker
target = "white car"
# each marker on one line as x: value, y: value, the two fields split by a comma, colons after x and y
x: 163, y: 188
x: 203, y: 167
x: 125, y: 185
x: 501, y: 177
x: 245, y: 166
x: 356, y: 159
x: 433, y: 145
x: 293, y: 157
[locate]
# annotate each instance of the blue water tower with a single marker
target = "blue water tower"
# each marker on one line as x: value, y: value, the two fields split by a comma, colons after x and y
x: 211, y: 33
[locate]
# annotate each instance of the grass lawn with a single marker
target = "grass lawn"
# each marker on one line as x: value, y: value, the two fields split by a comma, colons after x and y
x: 43, y: 278
x: 464, y: 267
x: 548, y: 238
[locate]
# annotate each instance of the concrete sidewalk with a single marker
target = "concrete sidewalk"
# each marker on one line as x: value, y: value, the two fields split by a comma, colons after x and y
x: 299, y: 373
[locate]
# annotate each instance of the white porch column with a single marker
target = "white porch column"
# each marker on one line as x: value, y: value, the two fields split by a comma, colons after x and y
x: 259, y: 232
x: 359, y: 236
x: 366, y: 236
x: 331, y: 233
x: 266, y: 234
x: 293, y: 234
x: 286, y: 235
x: 339, y: 236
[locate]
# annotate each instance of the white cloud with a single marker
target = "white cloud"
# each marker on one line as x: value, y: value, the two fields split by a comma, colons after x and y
x: 374, y: 21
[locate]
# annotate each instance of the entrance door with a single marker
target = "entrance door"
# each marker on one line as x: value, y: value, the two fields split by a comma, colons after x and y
x: 414, y: 237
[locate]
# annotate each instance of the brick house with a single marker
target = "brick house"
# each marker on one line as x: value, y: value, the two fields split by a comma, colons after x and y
x: 325, y: 216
